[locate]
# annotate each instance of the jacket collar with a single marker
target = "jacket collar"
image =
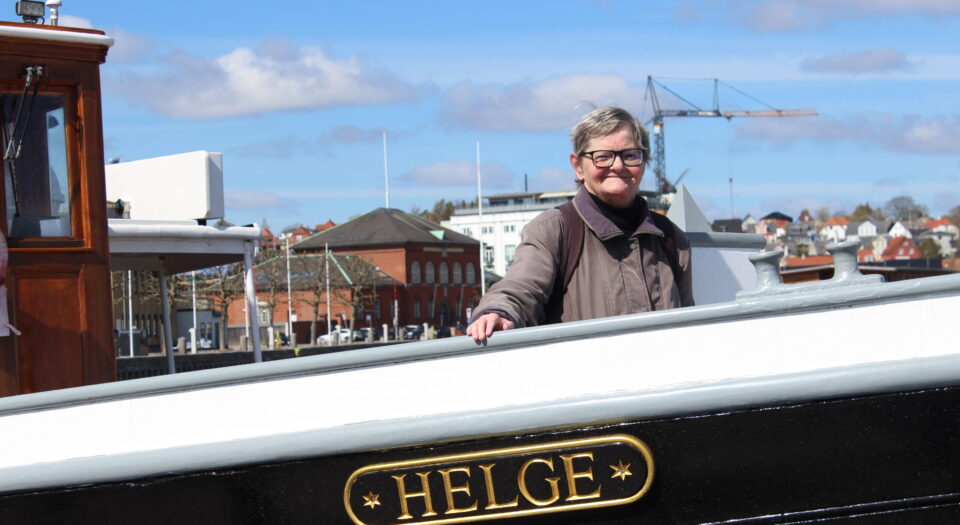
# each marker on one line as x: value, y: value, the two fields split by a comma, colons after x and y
x: 603, y: 227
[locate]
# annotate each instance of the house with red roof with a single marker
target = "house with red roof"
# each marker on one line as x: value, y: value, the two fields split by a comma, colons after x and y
x: 269, y: 241
x: 901, y: 248
x: 835, y: 230
x: 942, y: 224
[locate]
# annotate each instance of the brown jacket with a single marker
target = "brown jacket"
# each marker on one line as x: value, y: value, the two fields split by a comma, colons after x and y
x: 617, y: 274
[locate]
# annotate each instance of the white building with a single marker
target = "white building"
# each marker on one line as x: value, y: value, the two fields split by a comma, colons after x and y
x: 503, y: 218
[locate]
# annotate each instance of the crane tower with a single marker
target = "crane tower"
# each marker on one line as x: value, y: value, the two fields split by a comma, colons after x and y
x: 659, y: 164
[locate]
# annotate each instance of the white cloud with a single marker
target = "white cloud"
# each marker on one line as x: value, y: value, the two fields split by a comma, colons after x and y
x: 129, y: 47
x: 879, y: 60
x: 292, y: 145
x: 74, y: 21
x: 551, y: 104
x: 908, y: 134
x: 254, y: 199
x: 777, y: 16
x: 460, y: 173
x: 279, y: 148
x: 275, y: 77
x: 553, y: 179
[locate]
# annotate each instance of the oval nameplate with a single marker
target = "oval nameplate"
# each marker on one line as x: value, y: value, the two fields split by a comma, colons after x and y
x: 508, y: 482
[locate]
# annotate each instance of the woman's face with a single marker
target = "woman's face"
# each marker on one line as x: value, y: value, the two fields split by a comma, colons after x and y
x: 616, y: 185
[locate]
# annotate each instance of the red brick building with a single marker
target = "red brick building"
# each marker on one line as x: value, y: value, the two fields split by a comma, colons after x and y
x: 436, y: 269
x: 431, y: 273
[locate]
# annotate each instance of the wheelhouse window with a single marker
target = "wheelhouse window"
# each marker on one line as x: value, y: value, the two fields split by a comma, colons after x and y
x: 35, y: 165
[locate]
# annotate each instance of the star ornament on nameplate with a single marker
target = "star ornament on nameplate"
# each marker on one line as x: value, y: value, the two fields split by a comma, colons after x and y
x: 481, y: 485
x: 371, y: 500
x: 621, y: 471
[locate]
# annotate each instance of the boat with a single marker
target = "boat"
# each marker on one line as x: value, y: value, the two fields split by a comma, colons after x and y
x: 831, y: 402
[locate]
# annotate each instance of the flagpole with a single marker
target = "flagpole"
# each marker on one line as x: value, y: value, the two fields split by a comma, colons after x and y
x: 326, y: 266
x: 483, y: 280
x: 289, y: 296
x: 386, y: 178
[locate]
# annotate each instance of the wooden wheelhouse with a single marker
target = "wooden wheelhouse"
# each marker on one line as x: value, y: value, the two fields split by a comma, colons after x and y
x: 55, y: 220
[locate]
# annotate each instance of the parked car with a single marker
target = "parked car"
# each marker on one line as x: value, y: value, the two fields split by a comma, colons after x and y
x: 367, y: 334
x: 412, y: 331
x: 344, y: 337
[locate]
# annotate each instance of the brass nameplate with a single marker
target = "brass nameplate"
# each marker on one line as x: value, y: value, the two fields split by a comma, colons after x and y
x: 502, y: 483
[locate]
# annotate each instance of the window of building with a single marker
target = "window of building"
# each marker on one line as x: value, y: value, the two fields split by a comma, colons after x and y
x: 444, y: 273
x: 431, y: 277
x: 509, y: 228
x: 416, y: 308
x: 468, y: 231
x: 487, y: 229
x: 415, y: 272
x: 457, y: 273
x: 508, y: 252
x: 488, y: 255
x: 263, y: 314
x: 471, y: 273
x: 430, y: 308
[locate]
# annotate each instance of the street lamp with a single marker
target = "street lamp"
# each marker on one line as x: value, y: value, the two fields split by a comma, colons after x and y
x: 289, y: 303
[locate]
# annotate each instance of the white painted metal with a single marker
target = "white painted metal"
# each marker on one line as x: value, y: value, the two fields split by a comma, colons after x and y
x: 173, y: 187
x: 193, y: 331
x: 251, y: 299
x: 675, y: 369
x: 58, y: 36
x: 167, y: 325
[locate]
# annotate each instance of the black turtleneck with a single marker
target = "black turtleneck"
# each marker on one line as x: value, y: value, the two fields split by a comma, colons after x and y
x: 627, y: 219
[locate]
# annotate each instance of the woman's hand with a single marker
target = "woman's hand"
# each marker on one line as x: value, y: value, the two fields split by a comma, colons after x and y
x: 484, y: 326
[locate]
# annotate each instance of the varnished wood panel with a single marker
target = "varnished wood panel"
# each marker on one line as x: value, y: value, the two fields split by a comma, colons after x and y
x: 48, y: 316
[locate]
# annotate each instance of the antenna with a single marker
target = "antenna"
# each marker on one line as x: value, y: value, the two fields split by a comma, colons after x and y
x: 54, y: 6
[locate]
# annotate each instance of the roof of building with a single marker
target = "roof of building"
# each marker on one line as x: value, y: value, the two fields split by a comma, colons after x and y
x: 837, y: 221
x: 777, y: 216
x: 812, y: 260
x: 325, y: 226
x: 895, y: 244
x: 384, y: 226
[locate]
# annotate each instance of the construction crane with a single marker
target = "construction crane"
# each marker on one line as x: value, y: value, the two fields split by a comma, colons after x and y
x: 659, y: 164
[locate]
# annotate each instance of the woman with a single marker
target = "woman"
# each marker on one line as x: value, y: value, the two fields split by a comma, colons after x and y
x: 630, y: 260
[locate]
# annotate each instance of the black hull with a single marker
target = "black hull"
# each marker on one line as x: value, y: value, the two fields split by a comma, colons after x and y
x: 891, y: 458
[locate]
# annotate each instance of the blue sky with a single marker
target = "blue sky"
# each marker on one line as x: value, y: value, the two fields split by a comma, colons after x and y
x: 297, y: 96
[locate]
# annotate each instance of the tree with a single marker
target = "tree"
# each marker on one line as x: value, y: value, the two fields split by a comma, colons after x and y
x: 954, y: 215
x: 929, y: 249
x: 822, y: 214
x: 359, y: 277
x: 865, y: 212
x: 442, y: 210
x: 272, y: 279
x: 310, y: 276
x: 903, y: 208
x: 225, y: 287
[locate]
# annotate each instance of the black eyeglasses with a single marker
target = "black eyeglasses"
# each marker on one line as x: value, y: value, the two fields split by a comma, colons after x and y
x: 605, y: 158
